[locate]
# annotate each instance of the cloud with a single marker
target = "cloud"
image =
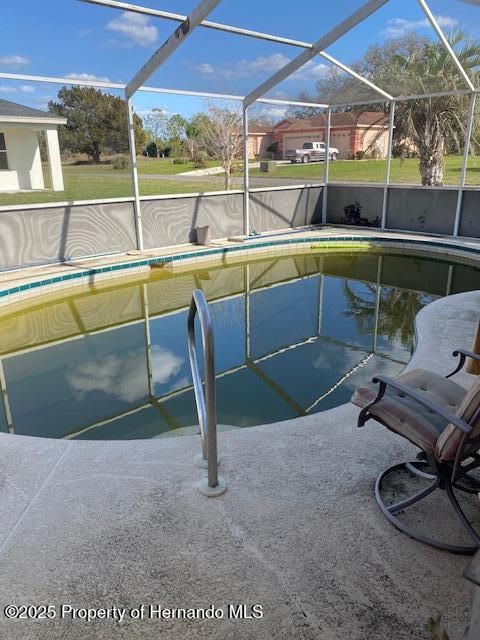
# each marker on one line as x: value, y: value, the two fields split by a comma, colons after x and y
x: 14, y: 61
x: 87, y: 76
x: 246, y: 68
x: 268, y: 64
x: 205, y: 69
x: 127, y: 382
x: 277, y: 112
x: 310, y: 71
x: 397, y: 27
x: 136, y: 27
x: 24, y: 88
x: 263, y: 66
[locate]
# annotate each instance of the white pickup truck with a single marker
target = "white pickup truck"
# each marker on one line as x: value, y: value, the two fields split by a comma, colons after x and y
x: 310, y: 152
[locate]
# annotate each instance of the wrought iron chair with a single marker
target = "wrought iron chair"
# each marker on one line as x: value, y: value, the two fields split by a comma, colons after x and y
x: 443, y: 420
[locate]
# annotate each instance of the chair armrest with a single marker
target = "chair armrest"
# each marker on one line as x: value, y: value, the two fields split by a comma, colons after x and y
x: 464, y: 354
x: 421, y: 399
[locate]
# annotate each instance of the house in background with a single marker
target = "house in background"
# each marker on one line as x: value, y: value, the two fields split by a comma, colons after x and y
x: 350, y: 133
x: 259, y: 139
x: 20, y: 160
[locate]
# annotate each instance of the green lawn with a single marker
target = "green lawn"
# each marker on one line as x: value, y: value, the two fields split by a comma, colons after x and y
x: 90, y: 187
x: 90, y: 182
x: 164, y: 166
x: 405, y: 171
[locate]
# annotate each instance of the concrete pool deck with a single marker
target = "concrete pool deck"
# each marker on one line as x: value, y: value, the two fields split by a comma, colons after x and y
x: 98, y: 524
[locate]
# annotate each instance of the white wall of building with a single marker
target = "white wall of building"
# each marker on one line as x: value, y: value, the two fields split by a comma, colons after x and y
x: 54, y: 159
x: 24, y: 162
x: 25, y: 170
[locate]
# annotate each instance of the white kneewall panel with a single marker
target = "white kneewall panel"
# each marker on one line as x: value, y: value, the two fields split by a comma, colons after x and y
x: 23, y: 153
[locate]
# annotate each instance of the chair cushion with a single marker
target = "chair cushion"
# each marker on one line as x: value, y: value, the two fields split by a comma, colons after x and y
x: 448, y: 441
x: 409, y: 418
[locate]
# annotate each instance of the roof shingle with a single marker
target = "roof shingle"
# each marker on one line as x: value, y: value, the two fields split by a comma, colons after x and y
x: 12, y: 109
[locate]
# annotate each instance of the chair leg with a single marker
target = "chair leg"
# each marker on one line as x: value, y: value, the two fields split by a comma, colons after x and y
x: 413, y: 468
x: 390, y: 511
x: 463, y: 518
x: 408, y: 502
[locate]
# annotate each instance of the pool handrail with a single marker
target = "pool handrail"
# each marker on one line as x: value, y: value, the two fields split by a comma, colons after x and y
x: 205, y: 399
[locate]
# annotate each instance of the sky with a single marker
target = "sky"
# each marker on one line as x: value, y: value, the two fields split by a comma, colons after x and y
x: 70, y: 38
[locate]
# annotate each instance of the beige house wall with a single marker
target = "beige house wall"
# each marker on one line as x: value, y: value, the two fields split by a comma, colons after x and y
x: 371, y: 140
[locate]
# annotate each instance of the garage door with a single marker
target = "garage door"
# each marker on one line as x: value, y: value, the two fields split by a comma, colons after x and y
x: 291, y: 141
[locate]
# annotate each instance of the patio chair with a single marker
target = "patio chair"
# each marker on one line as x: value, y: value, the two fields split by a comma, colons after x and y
x: 443, y: 420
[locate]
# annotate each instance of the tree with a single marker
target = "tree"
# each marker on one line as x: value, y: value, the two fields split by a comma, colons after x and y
x: 407, y: 66
x: 221, y: 135
x: 156, y: 125
x: 192, y: 133
x: 397, y: 312
x: 96, y: 122
x: 433, y: 124
x: 176, y: 134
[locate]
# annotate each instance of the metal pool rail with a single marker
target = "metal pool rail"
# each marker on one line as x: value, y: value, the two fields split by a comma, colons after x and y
x: 212, y: 486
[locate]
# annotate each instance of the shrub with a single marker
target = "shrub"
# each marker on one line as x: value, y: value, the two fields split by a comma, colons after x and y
x: 353, y: 216
x: 180, y: 160
x: 200, y: 161
x: 360, y: 155
x: 120, y: 163
x: 151, y: 150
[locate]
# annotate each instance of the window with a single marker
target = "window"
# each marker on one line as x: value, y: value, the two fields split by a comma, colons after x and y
x: 3, y: 154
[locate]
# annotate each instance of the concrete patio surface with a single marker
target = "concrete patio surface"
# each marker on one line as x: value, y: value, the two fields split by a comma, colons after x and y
x: 97, y: 524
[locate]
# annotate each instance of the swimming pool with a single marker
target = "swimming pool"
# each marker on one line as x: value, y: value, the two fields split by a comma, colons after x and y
x: 294, y: 335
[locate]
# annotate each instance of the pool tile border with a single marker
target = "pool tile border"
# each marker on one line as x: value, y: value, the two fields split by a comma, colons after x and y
x: 93, y: 274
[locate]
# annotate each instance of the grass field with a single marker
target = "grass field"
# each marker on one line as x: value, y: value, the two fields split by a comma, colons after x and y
x: 91, y: 187
x: 147, y: 166
x: 405, y: 171
x: 90, y: 182
x: 93, y: 181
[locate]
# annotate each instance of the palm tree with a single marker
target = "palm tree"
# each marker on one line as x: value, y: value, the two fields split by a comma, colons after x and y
x: 398, y: 309
x: 192, y: 133
x: 429, y: 123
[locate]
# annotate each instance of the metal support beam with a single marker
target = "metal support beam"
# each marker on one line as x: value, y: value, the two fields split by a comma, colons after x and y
x: 463, y: 175
x: 417, y: 96
x: 238, y: 31
x: 148, y: 341
x: 378, y: 296
x: 326, y: 167
x: 133, y: 168
x: 25, y: 77
x: 299, y: 61
x: 247, y: 310
x: 170, y: 45
x: 445, y: 42
x: 391, y: 120
x: 183, y: 92
x: 246, y: 181
x: 355, y: 75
